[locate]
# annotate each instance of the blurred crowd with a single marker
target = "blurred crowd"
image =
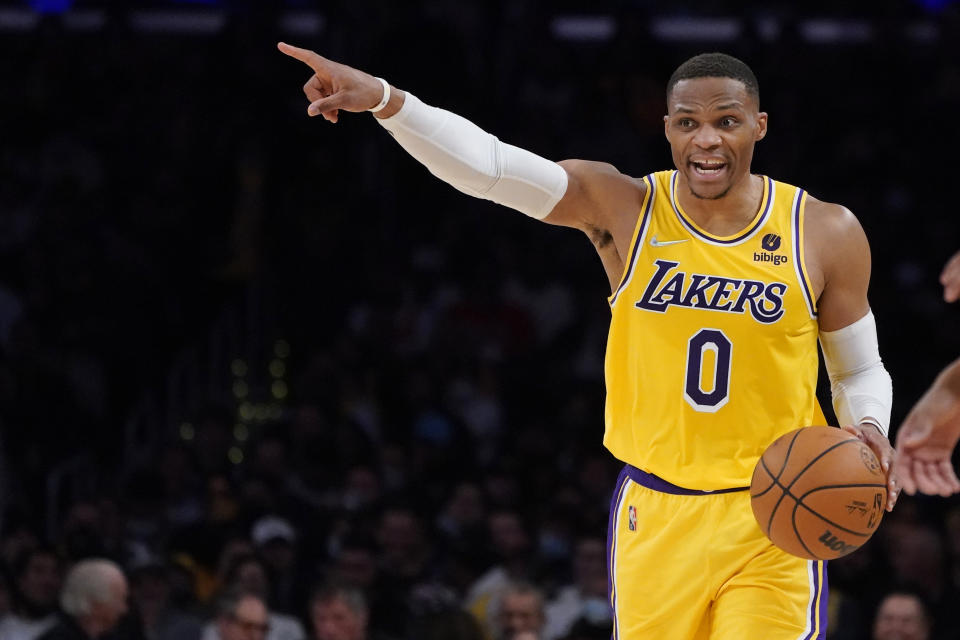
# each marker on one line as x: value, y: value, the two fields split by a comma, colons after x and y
x: 435, y: 470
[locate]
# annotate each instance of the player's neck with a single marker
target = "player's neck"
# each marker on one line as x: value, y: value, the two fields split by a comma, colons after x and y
x: 724, y: 216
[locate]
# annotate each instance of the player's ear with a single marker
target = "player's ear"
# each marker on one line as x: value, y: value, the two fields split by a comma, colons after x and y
x: 761, y: 125
x: 666, y: 126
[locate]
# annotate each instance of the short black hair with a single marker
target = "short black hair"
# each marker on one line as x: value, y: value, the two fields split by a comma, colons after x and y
x: 715, y: 65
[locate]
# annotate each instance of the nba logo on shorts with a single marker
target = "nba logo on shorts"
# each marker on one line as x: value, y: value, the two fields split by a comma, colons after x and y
x: 632, y: 518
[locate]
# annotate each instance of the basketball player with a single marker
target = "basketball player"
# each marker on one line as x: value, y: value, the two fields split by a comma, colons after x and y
x: 721, y: 281
x: 927, y: 438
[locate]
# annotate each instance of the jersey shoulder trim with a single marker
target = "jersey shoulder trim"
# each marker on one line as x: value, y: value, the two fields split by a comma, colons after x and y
x: 766, y: 206
x: 639, y: 233
x: 799, y: 263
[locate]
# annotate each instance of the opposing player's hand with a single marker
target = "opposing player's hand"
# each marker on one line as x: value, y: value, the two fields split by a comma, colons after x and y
x: 950, y: 278
x: 334, y: 86
x: 880, y: 445
x: 927, y: 438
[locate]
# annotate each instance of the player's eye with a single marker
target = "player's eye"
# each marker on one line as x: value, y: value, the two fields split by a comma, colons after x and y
x: 685, y: 123
x: 728, y: 121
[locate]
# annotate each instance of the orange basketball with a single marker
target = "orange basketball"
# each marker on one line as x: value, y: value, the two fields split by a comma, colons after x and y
x: 818, y: 493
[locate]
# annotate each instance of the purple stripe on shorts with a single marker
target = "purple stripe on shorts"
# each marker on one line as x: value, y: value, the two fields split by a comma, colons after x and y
x: 657, y: 483
x: 817, y: 610
x: 824, y: 597
x: 812, y: 610
x: 612, y: 542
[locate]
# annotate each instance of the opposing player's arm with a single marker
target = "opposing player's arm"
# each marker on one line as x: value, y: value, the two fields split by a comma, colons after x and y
x: 572, y: 193
x: 860, y: 385
x: 950, y: 278
x: 928, y: 437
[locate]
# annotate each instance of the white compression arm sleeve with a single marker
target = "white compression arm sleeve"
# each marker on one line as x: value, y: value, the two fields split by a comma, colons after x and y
x: 463, y: 155
x: 862, y: 390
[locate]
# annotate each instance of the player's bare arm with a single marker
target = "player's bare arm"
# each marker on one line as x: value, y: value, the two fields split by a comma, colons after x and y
x: 838, y: 256
x: 927, y: 438
x: 590, y: 196
x: 950, y: 278
x: 605, y: 204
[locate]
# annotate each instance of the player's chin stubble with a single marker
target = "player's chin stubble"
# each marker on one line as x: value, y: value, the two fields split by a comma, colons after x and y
x: 716, y: 197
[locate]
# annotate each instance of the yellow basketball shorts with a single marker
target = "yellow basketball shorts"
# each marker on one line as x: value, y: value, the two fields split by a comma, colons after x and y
x: 694, y: 565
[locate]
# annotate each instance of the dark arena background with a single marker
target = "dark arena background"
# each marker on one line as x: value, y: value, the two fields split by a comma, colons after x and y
x: 241, y: 344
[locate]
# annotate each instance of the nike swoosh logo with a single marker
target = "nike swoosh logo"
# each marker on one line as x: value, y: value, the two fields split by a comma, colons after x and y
x: 655, y: 243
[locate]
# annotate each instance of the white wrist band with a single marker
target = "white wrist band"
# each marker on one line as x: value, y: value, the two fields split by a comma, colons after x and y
x: 385, y: 99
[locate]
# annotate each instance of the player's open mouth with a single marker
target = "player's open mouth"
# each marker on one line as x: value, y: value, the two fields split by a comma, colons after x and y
x: 708, y: 168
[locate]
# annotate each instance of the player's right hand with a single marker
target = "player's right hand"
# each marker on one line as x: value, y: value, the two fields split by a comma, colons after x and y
x: 334, y: 86
x: 926, y: 440
x: 950, y: 278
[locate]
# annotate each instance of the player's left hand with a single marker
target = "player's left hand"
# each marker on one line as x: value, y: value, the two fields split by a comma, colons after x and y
x: 871, y: 436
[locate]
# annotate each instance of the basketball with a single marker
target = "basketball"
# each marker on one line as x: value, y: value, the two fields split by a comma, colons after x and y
x: 818, y: 493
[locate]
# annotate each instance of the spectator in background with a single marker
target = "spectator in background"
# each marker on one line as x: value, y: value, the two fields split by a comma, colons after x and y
x: 463, y: 511
x: 338, y: 613
x: 587, y: 597
x: 17, y: 539
x: 276, y: 542
x: 179, y: 471
x: 150, y: 588
x: 355, y: 564
x: 510, y: 541
x: 236, y: 545
x: 93, y: 599
x: 249, y: 574
x: 403, y: 549
x: 403, y: 560
x: 36, y: 585
x: 902, y: 615
x: 917, y: 556
x: 84, y: 533
x: 521, y: 613
x: 242, y: 615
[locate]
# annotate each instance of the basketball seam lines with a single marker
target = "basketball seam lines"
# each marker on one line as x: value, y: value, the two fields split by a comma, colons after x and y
x: 820, y: 515
x: 786, y: 490
x: 784, y: 466
x: 799, y: 503
x: 776, y: 479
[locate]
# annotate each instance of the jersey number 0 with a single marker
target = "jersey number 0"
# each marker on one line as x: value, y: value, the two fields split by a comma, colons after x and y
x: 710, y: 397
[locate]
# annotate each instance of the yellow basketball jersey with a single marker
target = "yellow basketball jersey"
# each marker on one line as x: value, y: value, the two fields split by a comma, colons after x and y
x: 712, y: 350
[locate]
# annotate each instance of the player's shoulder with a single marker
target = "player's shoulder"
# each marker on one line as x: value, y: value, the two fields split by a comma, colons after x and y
x: 831, y: 222
x: 835, y: 241
x: 598, y: 196
x: 829, y: 213
x: 592, y: 171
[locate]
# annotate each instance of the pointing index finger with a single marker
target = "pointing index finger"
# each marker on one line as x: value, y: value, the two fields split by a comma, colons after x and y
x: 309, y: 58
